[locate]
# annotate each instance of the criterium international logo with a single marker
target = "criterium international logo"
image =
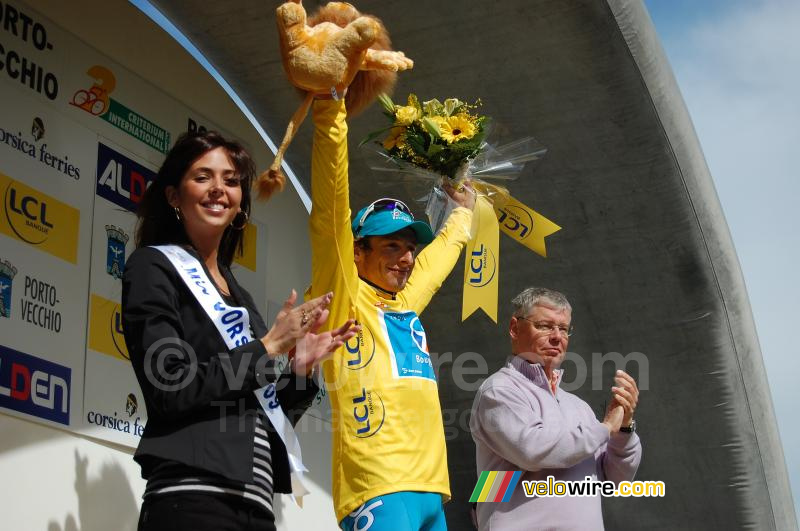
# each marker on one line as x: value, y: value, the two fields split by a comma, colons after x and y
x: 96, y: 100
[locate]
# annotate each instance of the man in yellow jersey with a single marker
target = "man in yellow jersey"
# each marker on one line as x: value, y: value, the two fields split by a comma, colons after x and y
x: 389, y: 455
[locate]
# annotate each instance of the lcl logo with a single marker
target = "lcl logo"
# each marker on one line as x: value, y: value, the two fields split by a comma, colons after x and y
x: 516, y: 220
x: 360, y: 350
x: 38, y: 219
x: 369, y: 413
x: 482, y: 265
x: 27, y: 216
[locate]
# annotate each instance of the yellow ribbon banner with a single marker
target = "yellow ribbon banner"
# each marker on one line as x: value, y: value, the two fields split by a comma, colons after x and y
x: 481, y: 268
x: 482, y: 264
x: 525, y: 225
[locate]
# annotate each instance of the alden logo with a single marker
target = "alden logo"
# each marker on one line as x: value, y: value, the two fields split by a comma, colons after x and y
x: 115, y: 254
x: 121, y: 180
x: 360, y: 350
x: 34, y: 386
x: 39, y: 220
x: 105, y: 328
x: 369, y: 413
x: 7, y: 274
x: 482, y: 266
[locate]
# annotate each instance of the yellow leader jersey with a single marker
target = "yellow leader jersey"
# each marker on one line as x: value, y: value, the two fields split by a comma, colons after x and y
x: 387, y: 421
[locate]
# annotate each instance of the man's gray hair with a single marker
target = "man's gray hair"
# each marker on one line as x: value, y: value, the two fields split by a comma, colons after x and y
x: 530, y: 297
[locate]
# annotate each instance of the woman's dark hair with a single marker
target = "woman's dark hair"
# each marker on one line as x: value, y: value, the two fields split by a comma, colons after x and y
x: 157, y: 223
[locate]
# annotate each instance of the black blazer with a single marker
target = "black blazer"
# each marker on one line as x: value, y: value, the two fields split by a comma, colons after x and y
x: 207, y: 419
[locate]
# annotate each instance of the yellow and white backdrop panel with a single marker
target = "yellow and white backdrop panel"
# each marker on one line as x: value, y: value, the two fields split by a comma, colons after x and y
x: 81, y: 137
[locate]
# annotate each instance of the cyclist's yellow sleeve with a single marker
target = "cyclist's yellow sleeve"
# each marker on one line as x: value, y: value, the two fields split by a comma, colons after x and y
x: 388, y: 434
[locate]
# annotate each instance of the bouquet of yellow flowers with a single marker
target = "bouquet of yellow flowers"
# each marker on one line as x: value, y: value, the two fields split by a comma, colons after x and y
x: 435, y: 136
x: 432, y: 142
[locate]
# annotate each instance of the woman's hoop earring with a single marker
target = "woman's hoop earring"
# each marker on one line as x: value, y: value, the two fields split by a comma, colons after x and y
x: 244, y: 223
x: 178, y: 214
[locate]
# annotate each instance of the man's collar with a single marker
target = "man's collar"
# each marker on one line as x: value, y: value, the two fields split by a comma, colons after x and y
x: 534, y: 372
x: 382, y: 292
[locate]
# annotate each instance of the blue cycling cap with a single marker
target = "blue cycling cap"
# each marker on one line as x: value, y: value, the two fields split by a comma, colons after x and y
x: 387, y: 216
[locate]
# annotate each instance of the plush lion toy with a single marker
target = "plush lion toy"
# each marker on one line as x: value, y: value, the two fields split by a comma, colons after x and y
x: 337, y: 51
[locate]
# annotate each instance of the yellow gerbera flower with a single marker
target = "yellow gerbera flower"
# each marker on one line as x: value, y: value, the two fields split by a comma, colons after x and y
x: 396, y: 138
x: 457, y: 127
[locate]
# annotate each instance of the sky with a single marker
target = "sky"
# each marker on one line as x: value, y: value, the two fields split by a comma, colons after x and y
x: 737, y: 64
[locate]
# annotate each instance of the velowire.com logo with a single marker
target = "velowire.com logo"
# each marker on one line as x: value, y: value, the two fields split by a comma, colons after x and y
x: 495, y: 486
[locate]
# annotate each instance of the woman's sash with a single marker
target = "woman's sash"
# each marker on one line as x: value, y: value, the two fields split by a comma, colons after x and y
x: 233, y: 324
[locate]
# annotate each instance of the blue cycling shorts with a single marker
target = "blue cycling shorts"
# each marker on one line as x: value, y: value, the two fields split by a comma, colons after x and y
x: 398, y: 511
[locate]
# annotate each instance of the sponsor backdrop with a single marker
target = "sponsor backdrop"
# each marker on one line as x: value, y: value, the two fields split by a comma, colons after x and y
x: 80, y: 140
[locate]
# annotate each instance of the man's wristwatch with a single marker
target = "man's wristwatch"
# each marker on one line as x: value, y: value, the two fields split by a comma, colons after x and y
x: 631, y: 428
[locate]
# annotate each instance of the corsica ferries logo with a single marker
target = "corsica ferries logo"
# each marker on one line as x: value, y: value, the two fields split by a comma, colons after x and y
x: 105, y: 328
x: 37, y: 128
x: 116, y: 421
x: 7, y: 274
x: 482, y: 266
x: 36, y: 150
x: 369, y: 413
x: 360, y: 350
x: 131, y: 405
x: 39, y: 220
x: 115, y: 254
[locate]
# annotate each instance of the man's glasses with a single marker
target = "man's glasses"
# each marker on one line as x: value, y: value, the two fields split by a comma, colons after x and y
x: 548, y: 328
x: 384, y: 203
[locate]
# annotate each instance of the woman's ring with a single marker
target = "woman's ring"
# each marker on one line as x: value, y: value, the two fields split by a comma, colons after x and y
x: 304, y: 319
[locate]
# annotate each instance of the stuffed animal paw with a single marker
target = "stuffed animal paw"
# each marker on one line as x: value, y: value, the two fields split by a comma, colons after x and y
x: 337, y: 51
x: 386, y: 60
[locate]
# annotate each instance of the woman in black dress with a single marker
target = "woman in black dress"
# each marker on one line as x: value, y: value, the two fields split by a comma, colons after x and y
x: 214, y: 449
